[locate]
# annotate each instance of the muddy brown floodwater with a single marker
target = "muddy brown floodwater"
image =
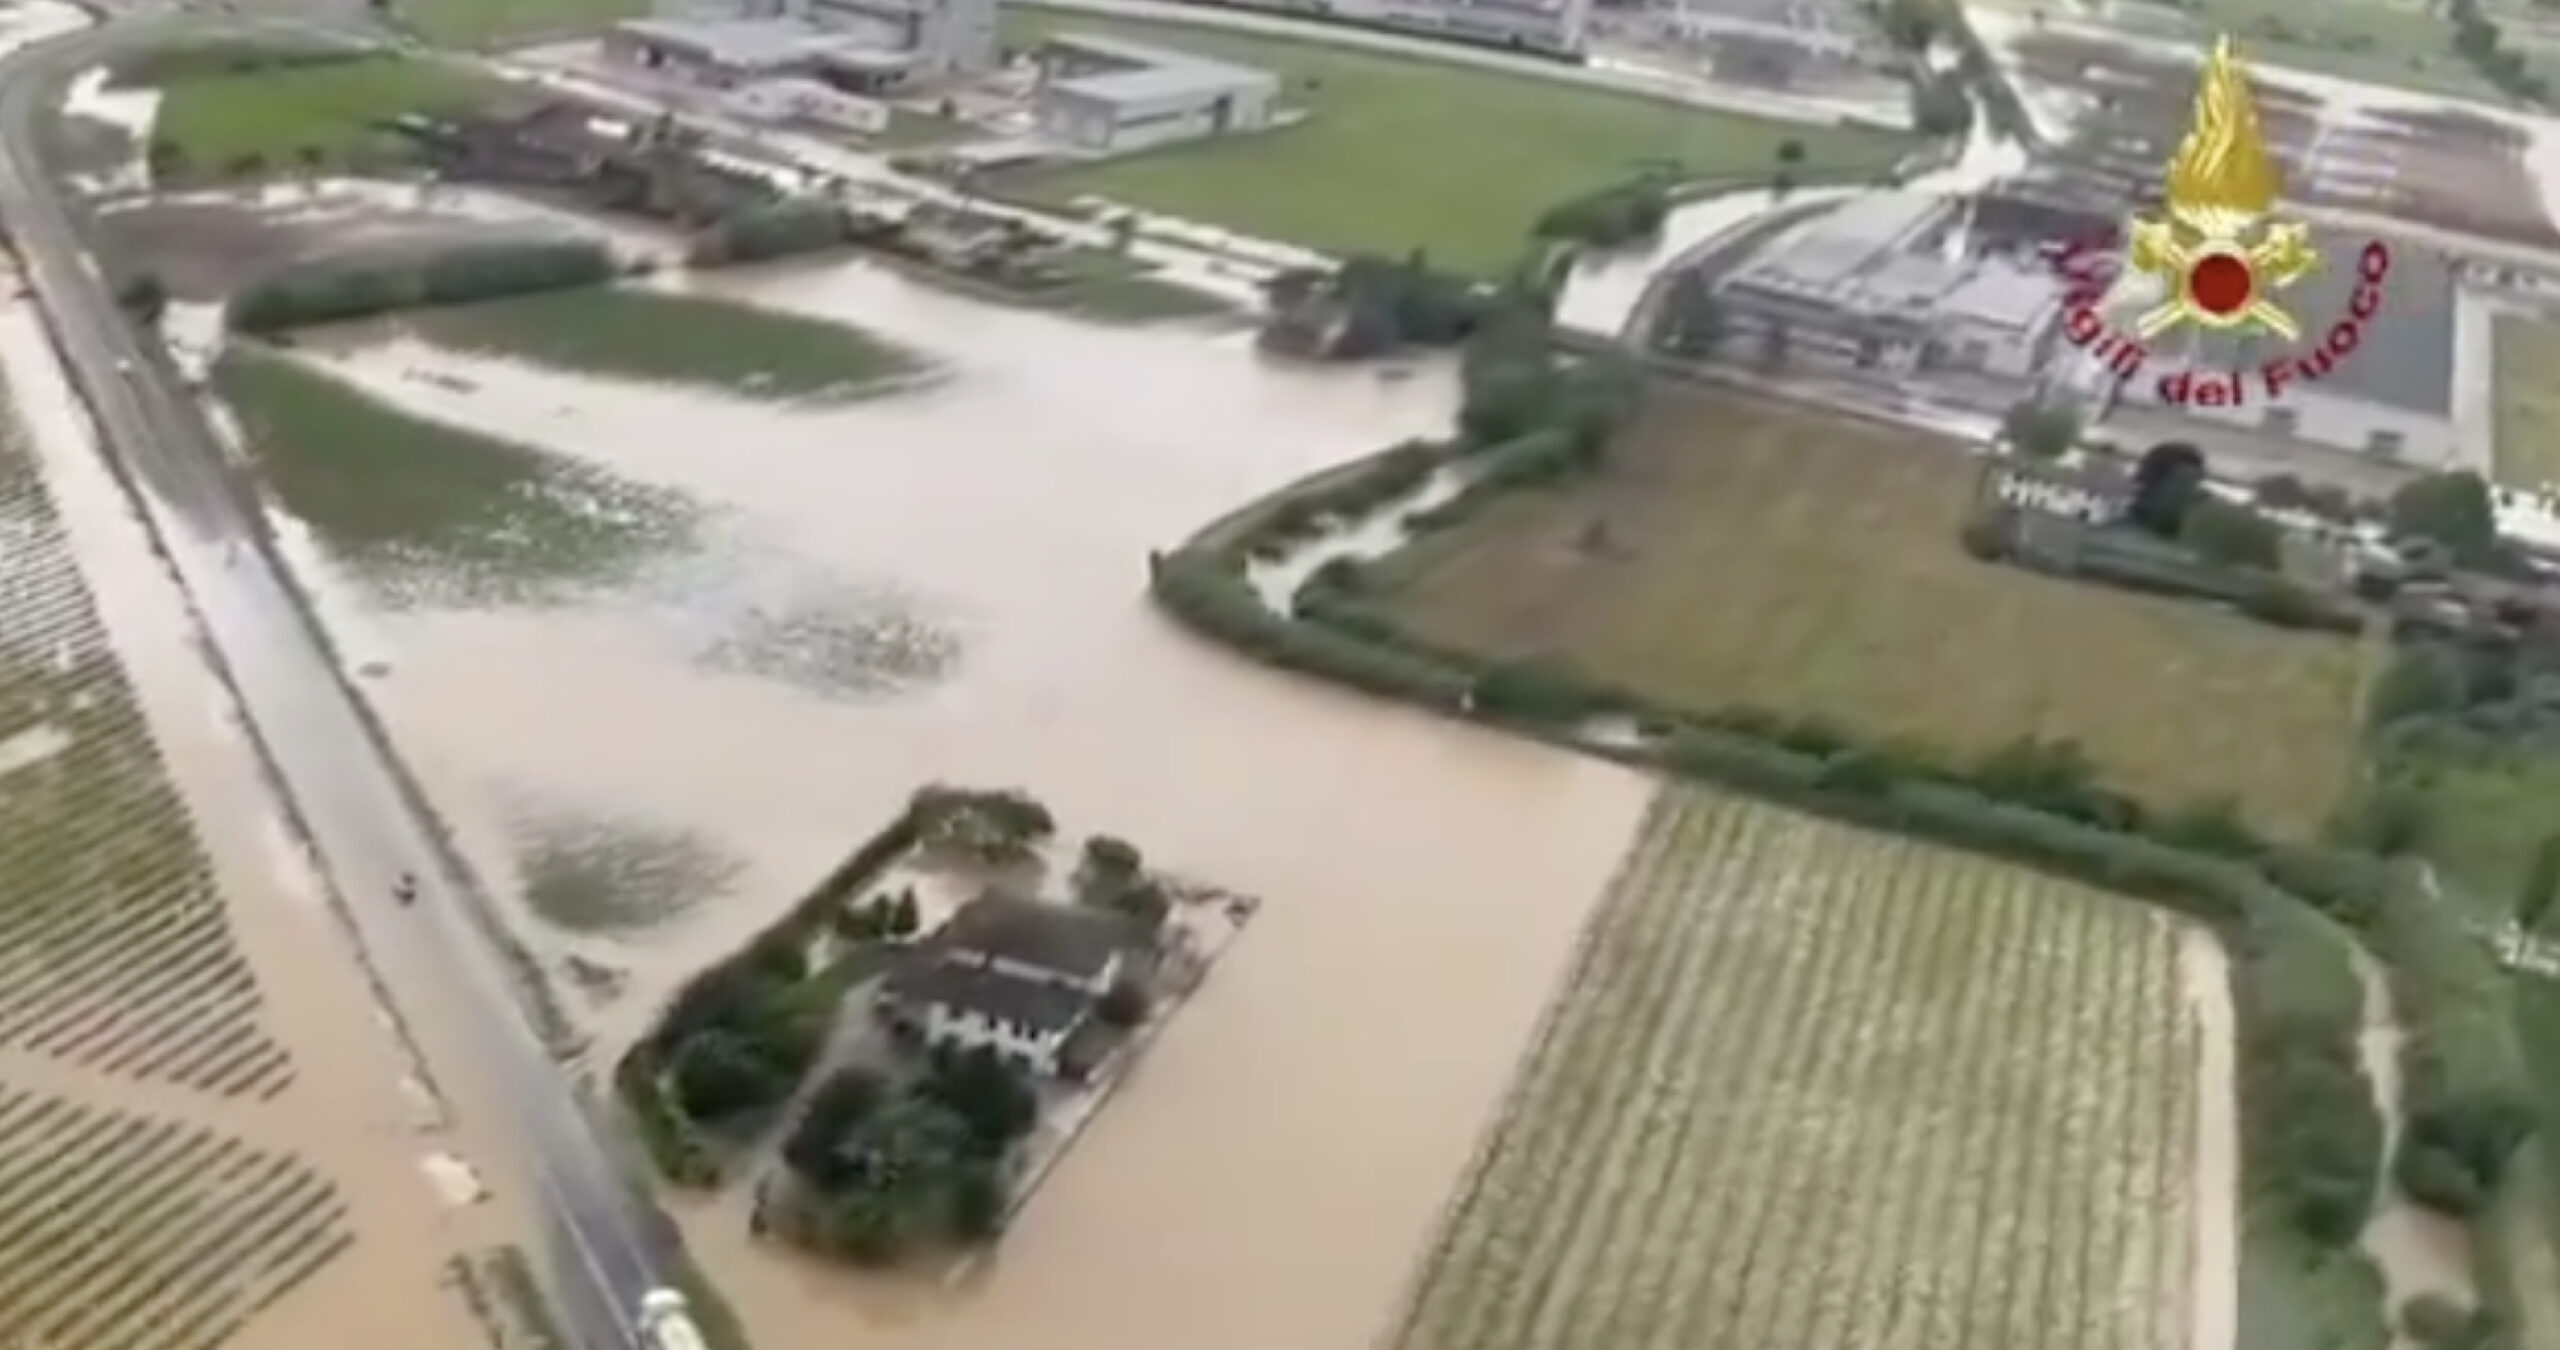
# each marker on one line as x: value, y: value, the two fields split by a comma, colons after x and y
x: 1272, y: 1169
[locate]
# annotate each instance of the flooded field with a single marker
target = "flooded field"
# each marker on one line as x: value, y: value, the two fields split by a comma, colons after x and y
x: 948, y: 584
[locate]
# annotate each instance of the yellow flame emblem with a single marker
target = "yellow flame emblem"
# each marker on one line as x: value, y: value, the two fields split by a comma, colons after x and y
x: 2221, y: 187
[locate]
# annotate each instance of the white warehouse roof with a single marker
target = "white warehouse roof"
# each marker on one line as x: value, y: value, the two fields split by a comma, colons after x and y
x: 1158, y: 74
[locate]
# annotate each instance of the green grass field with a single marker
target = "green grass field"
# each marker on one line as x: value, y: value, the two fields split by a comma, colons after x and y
x: 2526, y: 380
x: 500, y: 23
x: 1814, y: 1086
x: 282, y: 119
x: 679, y: 339
x: 1765, y: 555
x: 2402, y: 45
x: 425, y: 512
x: 1400, y: 153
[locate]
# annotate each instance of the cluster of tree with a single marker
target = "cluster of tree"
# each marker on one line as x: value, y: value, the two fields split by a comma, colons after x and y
x: 2478, y: 40
x: 1914, y: 26
x: 889, y: 1169
x: 2284, y: 492
x: 886, y: 916
x: 756, y: 231
x: 2041, y: 428
x: 331, y: 291
x: 1113, y: 875
x: 737, y: 1042
x: 1370, y: 306
x: 1613, y: 216
x: 1690, y: 321
x: 2170, y: 500
x: 1941, y: 105
x: 2434, y: 1321
x: 2452, y: 511
x: 735, y: 1032
x: 1514, y: 383
x: 991, y: 827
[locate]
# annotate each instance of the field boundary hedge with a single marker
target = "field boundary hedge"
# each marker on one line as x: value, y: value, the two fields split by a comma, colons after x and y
x: 2273, y: 905
x: 338, y: 289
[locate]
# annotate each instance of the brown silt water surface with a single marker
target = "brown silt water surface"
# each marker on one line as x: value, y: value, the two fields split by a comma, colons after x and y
x: 949, y: 584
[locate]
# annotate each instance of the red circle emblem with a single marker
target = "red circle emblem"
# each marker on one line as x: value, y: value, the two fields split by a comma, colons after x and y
x: 2220, y: 284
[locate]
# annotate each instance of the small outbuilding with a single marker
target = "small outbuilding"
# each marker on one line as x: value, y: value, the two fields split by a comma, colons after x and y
x: 1104, y: 95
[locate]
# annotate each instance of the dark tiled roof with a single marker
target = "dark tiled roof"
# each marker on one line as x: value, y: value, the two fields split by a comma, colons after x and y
x: 1034, y: 1004
x: 1076, y: 943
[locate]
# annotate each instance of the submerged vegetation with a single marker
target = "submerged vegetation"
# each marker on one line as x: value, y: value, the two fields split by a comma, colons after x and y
x: 429, y: 513
x: 589, y: 873
x: 688, y: 339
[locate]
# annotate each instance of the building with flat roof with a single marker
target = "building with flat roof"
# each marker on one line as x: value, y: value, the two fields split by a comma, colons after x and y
x: 860, y: 46
x: 1559, y: 26
x: 1878, y: 286
x: 1104, y: 95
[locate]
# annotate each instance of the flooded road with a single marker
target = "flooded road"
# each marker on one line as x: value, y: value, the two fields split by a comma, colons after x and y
x: 1274, y: 1166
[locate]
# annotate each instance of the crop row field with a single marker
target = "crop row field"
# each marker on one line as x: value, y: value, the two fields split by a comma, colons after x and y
x: 127, y: 1226
x: 1811, y: 1086
x: 125, y: 1232
x: 114, y: 951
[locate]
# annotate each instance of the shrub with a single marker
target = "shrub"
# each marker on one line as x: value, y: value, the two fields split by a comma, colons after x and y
x: 764, y: 230
x: 2438, y: 1322
x: 1610, y: 217
x: 1125, y: 1005
x: 721, y: 1074
x: 1532, y: 691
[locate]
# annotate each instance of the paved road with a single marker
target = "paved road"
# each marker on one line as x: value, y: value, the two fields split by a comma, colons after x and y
x: 338, y: 774
x: 1616, y: 77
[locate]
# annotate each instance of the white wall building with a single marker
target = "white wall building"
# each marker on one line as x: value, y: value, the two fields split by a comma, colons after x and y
x: 1559, y: 26
x: 866, y: 46
x: 800, y: 99
x: 1101, y: 95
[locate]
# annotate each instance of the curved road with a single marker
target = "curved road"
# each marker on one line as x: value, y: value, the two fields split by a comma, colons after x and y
x: 337, y: 773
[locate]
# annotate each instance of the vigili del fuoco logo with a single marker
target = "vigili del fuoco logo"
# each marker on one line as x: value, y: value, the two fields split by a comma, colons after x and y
x: 2218, y: 260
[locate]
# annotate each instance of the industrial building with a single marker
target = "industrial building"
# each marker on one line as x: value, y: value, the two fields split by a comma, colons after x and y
x: 1555, y: 27
x: 1102, y: 95
x: 860, y: 46
x: 1881, y: 285
x: 1558, y: 26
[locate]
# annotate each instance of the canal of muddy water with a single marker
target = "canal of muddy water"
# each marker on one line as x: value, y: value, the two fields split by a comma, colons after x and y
x: 949, y: 584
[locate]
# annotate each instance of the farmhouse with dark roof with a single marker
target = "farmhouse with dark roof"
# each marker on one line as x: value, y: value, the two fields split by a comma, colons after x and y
x: 1017, y: 976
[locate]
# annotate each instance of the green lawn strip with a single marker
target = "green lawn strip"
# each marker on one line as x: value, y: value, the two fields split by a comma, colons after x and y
x: 2525, y: 394
x: 909, y: 130
x: 427, y: 510
x: 1399, y: 153
x: 333, y: 114
x: 682, y: 339
x: 213, y: 57
x: 498, y: 23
